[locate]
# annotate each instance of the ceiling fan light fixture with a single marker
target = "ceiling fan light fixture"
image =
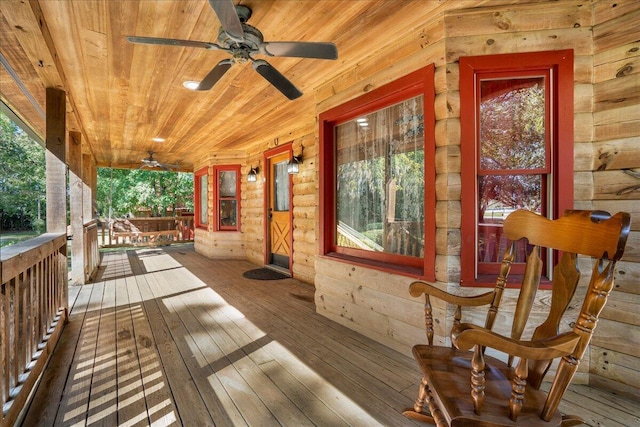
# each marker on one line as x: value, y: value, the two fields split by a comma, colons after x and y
x: 191, y: 84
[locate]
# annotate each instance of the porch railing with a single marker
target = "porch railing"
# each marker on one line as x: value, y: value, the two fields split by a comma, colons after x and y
x: 91, y: 253
x: 33, y: 310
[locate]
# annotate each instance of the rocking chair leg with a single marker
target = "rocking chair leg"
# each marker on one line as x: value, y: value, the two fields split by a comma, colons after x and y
x: 415, y: 413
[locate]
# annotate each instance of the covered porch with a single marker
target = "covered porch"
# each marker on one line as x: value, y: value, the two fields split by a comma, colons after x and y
x: 166, y: 336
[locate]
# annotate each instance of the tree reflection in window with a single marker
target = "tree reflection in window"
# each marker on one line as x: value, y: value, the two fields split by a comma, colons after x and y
x: 513, y: 157
x: 380, y: 180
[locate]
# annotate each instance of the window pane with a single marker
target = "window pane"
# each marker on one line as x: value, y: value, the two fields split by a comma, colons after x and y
x: 380, y: 180
x: 203, y: 199
x: 281, y: 190
x: 499, y: 196
x: 227, y: 183
x: 512, y: 124
x: 228, y: 216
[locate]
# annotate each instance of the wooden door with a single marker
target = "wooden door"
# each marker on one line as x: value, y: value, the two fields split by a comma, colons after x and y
x: 279, y: 215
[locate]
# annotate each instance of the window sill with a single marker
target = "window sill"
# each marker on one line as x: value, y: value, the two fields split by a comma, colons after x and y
x: 412, y: 272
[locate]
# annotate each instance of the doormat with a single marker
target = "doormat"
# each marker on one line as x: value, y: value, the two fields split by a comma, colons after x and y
x: 264, y: 274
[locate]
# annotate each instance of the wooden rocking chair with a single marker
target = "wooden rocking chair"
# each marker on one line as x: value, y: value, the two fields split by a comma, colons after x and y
x: 469, y: 388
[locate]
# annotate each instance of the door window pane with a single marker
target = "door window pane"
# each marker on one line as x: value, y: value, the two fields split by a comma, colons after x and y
x: 281, y: 187
x: 380, y: 180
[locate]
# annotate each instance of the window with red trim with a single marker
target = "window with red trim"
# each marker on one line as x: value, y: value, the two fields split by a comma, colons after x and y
x: 377, y: 177
x: 517, y: 150
x: 201, y: 192
x: 227, y: 197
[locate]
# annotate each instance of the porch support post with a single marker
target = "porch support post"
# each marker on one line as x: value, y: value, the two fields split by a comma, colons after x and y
x: 90, y: 188
x: 55, y: 157
x: 76, y: 187
x: 56, y: 145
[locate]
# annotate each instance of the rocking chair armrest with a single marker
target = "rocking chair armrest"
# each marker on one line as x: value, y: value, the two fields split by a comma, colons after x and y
x: 418, y: 288
x: 464, y: 336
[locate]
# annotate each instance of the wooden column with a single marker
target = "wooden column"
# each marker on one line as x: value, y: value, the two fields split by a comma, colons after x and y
x: 56, y: 148
x: 76, y: 187
x: 90, y: 187
x: 55, y: 155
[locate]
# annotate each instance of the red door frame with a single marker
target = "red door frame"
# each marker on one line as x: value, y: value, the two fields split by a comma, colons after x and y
x: 288, y: 147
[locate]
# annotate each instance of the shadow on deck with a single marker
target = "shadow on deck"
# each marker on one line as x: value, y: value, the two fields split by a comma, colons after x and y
x: 169, y: 337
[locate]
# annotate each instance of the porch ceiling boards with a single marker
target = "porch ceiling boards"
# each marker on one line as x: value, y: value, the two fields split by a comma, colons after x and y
x: 169, y: 337
x: 121, y: 95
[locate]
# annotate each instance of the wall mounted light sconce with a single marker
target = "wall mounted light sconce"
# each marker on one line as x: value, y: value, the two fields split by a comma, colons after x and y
x: 252, y: 176
x: 294, y: 163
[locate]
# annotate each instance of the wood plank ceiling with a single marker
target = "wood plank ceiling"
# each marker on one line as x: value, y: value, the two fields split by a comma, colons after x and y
x: 121, y: 95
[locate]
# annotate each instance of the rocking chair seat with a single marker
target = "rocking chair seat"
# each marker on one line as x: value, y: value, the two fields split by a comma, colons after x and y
x: 448, y: 370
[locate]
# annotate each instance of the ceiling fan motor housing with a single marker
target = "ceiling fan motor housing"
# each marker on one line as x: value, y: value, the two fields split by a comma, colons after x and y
x: 252, y: 39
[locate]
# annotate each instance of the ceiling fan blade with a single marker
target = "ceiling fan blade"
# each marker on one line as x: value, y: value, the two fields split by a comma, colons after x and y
x: 274, y: 77
x: 300, y: 49
x: 173, y: 42
x: 226, y: 11
x: 215, y: 74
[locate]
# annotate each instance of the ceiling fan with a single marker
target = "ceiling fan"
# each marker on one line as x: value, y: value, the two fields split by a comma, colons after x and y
x: 242, y: 42
x: 150, y: 162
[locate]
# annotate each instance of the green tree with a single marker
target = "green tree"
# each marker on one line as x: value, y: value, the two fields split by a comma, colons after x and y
x: 22, y: 179
x: 123, y: 191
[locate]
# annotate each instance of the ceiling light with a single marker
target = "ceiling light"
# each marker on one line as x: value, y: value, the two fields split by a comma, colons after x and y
x: 158, y: 139
x: 191, y: 84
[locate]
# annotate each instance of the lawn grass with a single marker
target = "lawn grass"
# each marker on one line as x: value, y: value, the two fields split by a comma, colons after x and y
x: 8, y: 238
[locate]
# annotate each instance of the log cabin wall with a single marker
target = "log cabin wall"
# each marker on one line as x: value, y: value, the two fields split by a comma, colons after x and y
x: 208, y: 241
x: 604, y: 37
x: 615, y: 156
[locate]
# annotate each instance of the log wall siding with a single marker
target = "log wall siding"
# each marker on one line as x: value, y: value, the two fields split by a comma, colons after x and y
x: 615, y: 350
x: 600, y: 139
x: 604, y: 36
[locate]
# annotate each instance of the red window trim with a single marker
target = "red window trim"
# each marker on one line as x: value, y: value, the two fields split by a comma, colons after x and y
x: 560, y: 64
x: 216, y: 197
x: 419, y: 82
x: 196, y: 202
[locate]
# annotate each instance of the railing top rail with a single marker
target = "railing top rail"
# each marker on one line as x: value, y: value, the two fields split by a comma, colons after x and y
x: 90, y: 224
x: 19, y: 257
x: 151, y: 218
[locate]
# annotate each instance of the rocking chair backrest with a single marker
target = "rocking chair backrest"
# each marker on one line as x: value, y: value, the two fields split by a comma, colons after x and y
x: 590, y: 233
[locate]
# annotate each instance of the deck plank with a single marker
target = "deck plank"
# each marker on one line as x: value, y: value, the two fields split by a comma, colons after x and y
x: 56, y: 375
x: 168, y: 337
x: 190, y: 408
x: 131, y: 406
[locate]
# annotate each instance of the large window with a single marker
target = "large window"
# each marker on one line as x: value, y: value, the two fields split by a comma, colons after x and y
x: 201, y: 193
x: 517, y: 128
x: 227, y: 197
x: 376, y: 157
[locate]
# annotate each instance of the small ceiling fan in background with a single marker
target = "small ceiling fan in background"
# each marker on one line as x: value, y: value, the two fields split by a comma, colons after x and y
x: 242, y: 42
x: 150, y: 162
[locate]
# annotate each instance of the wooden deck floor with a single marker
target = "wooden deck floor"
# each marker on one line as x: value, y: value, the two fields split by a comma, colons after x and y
x: 169, y: 337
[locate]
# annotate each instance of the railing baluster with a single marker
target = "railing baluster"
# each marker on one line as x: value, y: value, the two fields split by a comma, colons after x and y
x: 33, y: 292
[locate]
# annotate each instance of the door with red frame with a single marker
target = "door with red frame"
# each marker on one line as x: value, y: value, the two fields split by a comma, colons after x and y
x: 279, y: 239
